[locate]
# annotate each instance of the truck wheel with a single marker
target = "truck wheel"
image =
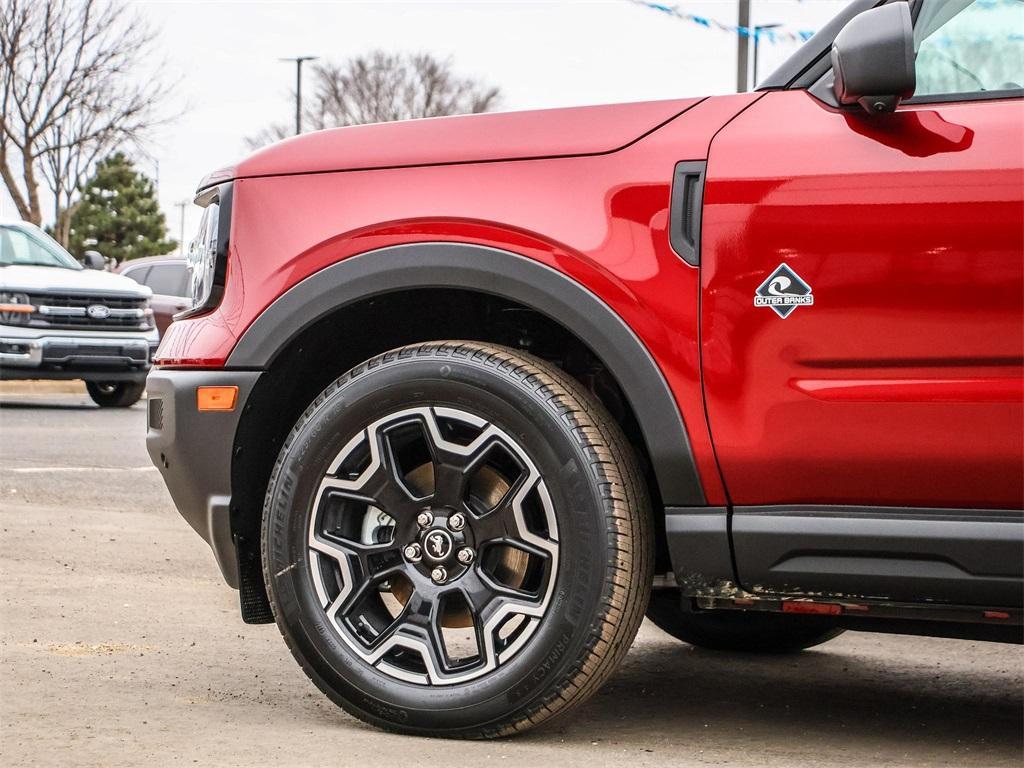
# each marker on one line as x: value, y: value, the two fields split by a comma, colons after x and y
x: 745, y: 631
x: 115, y: 394
x: 457, y: 541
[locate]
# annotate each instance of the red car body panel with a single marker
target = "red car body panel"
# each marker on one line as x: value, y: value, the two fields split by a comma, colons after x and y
x: 908, y: 227
x: 902, y: 384
x: 466, y: 139
x: 615, y: 241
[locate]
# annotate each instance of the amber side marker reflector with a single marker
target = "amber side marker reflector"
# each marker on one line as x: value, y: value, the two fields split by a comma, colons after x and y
x: 216, y: 398
x: 800, y: 606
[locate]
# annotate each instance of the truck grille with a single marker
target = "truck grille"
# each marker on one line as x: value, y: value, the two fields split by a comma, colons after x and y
x: 89, y: 312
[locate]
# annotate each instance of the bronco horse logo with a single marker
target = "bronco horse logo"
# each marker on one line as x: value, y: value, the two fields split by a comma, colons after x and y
x: 439, y: 545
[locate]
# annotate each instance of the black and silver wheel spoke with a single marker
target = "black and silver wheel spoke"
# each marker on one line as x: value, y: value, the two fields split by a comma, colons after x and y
x: 363, y: 567
x: 386, y: 490
x: 503, y: 521
x: 455, y: 463
x: 487, y: 597
x: 449, y: 479
x: 379, y: 483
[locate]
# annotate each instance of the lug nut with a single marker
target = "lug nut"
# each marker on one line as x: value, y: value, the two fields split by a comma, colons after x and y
x: 457, y: 522
x: 439, y: 575
x: 424, y: 519
x: 466, y: 555
x: 413, y: 553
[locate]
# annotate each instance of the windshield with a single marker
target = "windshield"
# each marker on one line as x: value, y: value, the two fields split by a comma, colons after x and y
x: 25, y: 246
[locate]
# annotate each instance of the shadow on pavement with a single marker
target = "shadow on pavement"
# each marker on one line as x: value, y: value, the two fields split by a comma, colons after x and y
x: 22, y: 405
x: 835, y: 697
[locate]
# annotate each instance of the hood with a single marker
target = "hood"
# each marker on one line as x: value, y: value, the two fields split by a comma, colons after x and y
x: 58, y: 280
x: 463, y: 139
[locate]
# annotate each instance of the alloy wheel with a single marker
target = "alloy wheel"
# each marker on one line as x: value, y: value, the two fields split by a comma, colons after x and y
x: 433, y: 546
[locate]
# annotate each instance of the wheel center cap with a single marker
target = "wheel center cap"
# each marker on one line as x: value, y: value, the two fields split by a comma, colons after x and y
x: 437, y: 544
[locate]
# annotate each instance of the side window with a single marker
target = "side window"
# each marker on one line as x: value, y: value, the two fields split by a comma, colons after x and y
x: 969, y: 47
x: 138, y: 274
x: 167, y: 279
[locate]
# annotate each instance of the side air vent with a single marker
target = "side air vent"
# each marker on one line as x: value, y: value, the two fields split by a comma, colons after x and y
x: 685, y: 210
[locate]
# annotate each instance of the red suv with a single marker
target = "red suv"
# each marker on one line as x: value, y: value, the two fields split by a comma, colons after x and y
x: 455, y: 393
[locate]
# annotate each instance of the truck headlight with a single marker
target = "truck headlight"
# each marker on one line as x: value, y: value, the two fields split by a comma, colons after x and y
x: 207, y: 253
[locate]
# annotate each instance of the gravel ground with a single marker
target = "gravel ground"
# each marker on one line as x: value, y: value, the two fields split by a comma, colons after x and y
x: 120, y: 645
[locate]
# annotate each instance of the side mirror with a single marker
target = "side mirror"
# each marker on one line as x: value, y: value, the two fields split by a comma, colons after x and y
x: 873, y: 59
x: 94, y: 260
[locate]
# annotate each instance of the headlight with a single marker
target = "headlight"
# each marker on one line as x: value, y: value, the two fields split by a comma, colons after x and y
x: 202, y: 257
x: 206, y: 259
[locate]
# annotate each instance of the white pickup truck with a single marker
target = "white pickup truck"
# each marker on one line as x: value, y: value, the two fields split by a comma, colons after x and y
x: 59, y: 320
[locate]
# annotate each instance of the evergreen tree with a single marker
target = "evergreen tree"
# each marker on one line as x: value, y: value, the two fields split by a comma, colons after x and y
x: 118, y: 214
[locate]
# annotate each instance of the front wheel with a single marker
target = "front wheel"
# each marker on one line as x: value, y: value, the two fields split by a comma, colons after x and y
x: 747, y: 631
x: 457, y: 541
x: 115, y: 394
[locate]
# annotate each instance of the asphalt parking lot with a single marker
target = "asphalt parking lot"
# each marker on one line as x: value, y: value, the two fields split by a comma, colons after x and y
x: 120, y: 645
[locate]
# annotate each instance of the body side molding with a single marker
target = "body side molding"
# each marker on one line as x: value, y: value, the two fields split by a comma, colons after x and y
x: 509, y: 275
x: 912, y: 555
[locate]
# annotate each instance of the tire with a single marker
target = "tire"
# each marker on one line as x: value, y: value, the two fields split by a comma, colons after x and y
x: 568, y: 494
x: 115, y: 394
x: 744, y: 631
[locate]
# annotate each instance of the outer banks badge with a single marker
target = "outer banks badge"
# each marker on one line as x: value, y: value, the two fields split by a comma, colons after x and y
x: 783, y: 291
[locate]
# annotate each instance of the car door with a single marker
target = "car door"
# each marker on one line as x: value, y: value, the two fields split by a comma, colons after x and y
x: 861, y: 326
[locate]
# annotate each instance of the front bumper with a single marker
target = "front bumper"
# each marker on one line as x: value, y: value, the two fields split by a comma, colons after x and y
x: 193, y: 451
x: 29, y: 353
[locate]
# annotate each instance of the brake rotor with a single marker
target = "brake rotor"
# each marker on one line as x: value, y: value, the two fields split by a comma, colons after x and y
x: 486, y: 489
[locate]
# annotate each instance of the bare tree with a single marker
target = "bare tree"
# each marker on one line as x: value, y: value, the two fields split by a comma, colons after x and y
x: 70, y: 92
x: 380, y: 87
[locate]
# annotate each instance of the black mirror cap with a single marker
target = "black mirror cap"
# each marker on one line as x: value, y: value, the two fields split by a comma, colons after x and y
x: 873, y: 59
x: 94, y: 260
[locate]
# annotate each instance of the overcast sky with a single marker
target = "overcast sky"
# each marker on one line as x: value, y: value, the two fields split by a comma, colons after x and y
x: 541, y: 54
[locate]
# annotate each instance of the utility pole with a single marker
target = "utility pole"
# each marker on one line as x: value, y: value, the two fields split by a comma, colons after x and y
x: 298, y: 87
x: 742, y: 46
x: 181, y: 211
x: 757, y: 40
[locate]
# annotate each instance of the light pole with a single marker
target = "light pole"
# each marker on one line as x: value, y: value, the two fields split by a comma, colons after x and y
x: 181, y: 211
x: 298, y: 87
x: 742, y: 46
x: 757, y: 40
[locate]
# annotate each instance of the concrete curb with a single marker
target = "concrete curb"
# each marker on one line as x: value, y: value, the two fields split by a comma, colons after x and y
x: 42, y: 387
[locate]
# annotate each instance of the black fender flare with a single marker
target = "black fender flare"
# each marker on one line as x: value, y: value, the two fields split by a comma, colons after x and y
x: 509, y: 275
